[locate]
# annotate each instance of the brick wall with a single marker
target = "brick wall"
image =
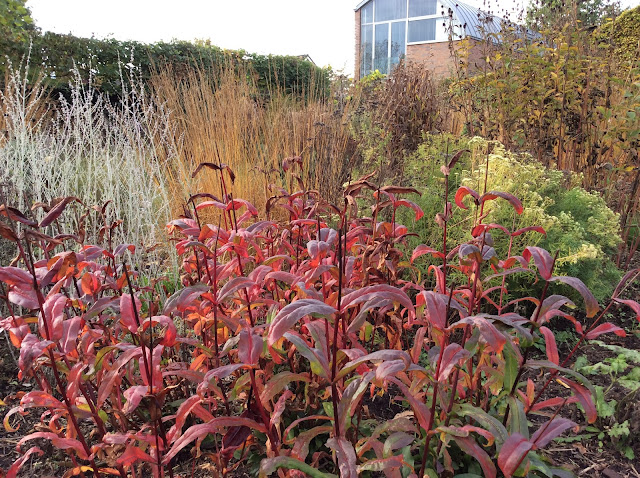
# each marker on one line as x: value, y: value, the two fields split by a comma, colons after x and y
x: 356, y: 72
x: 437, y: 57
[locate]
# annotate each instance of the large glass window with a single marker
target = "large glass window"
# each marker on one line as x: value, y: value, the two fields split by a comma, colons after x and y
x: 422, y: 30
x: 421, y: 8
x: 390, y: 10
x: 388, y: 25
x: 397, y: 42
x: 367, y: 50
x: 366, y: 13
x: 381, y: 56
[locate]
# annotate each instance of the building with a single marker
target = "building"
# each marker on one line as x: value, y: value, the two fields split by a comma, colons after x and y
x: 417, y: 30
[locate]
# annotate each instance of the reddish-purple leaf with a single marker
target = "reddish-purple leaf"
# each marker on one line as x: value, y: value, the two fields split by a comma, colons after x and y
x: 512, y: 453
x: 462, y: 192
x: 127, y: 314
x: 435, y: 308
x: 631, y: 303
x: 249, y: 347
x: 550, y: 430
x: 58, y: 209
x: 412, y: 205
x: 420, y: 410
x: 584, y: 397
x: 471, y: 447
x: 31, y: 348
x: 132, y: 455
x: 379, y: 355
x: 70, y: 333
x: 480, y: 228
x: 422, y: 249
x: 278, y: 382
x: 197, y: 432
x: 543, y: 260
x: 514, y: 201
x: 346, y: 456
x: 605, y: 329
x: 58, y: 442
x: 452, y: 356
x: 134, y: 396
x: 529, y: 228
x: 38, y: 398
x: 12, y: 472
x: 380, y: 290
x: 590, y: 301
x: 292, y: 313
x: 184, y: 298
x: 488, y: 331
x: 550, y: 343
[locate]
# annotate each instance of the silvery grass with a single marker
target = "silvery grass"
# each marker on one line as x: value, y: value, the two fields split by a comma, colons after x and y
x: 97, y: 151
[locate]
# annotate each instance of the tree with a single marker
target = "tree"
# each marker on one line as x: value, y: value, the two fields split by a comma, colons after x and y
x: 16, y: 29
x: 551, y: 14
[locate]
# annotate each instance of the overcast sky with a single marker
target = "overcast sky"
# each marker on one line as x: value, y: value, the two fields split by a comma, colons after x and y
x: 323, y: 29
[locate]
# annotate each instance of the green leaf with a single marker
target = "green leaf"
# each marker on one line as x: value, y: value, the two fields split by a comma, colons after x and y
x: 268, y: 466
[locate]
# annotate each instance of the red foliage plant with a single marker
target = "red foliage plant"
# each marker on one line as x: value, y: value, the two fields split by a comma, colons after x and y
x: 283, y: 335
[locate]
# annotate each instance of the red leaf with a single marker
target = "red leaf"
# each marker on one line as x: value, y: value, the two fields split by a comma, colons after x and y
x: 453, y: 354
x: 470, y: 447
x: 132, y: 455
x: 480, y: 228
x: 605, y: 329
x: 543, y: 260
x: 514, y: 201
x: 292, y: 313
x: 233, y: 286
x: 584, y: 397
x: 197, y: 432
x: 31, y: 348
x: 15, y: 275
x: 550, y: 430
x: 249, y: 347
x: 58, y: 209
x: 422, y: 250
x: 56, y: 441
x: 70, y: 333
x: 38, y: 398
x: 380, y: 290
x: 462, y: 192
x: 127, y: 314
x: 412, y: 205
x: 590, y: 301
x: 631, y: 303
x: 550, y: 343
x: 530, y: 228
x: 420, y: 410
x: 512, y: 453
x: 134, y: 396
x: 488, y: 331
x: 15, y: 468
x: 346, y: 455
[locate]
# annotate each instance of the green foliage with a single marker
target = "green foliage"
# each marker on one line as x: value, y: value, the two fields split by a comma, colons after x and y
x: 579, y: 225
x: 543, y: 14
x: 16, y: 26
x: 392, y: 116
x: 623, y: 370
x: 624, y: 34
x: 107, y: 61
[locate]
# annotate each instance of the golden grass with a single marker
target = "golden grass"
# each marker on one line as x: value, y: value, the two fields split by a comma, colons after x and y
x: 221, y: 117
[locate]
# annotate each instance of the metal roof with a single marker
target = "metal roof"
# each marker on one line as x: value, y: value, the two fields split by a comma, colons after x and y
x: 476, y: 22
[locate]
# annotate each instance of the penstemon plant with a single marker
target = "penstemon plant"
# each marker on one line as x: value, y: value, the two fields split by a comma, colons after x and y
x: 283, y: 332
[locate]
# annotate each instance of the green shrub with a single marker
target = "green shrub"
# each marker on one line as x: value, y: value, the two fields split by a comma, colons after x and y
x: 579, y: 225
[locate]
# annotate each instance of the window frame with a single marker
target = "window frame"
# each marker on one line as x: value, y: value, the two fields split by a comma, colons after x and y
x: 437, y: 16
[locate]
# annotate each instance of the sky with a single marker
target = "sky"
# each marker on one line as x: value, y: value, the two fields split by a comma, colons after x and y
x: 322, y: 29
